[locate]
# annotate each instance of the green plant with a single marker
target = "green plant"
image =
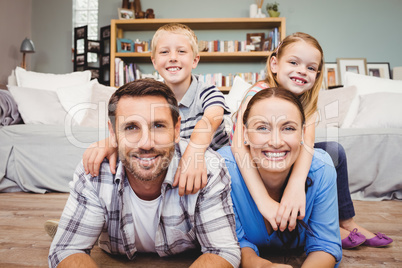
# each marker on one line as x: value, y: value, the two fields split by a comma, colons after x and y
x: 272, y: 6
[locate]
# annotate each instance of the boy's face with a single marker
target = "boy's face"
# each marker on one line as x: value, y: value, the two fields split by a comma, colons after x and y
x: 174, y: 59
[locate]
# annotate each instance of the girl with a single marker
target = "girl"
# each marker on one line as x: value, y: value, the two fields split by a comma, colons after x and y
x: 273, y: 126
x: 297, y: 65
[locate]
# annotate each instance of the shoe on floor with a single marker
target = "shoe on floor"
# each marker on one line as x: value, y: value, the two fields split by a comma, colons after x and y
x: 353, y: 240
x: 51, y: 227
x: 380, y: 240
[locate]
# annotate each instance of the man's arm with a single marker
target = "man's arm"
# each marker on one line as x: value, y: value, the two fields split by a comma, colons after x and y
x: 78, y: 260
x: 215, y: 224
x: 81, y: 222
x: 210, y: 260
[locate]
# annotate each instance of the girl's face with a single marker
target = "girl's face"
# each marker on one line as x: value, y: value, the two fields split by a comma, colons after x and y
x: 274, y: 133
x: 297, y: 68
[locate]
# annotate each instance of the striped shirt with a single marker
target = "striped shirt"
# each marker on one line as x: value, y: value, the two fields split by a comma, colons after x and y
x: 197, y: 99
x: 98, y: 207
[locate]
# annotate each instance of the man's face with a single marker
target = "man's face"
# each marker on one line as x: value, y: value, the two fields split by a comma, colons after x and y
x: 145, y: 136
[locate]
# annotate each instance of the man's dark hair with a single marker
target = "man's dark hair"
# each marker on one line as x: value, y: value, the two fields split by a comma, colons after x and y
x: 142, y: 88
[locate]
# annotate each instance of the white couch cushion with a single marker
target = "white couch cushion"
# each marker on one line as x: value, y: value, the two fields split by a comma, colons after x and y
x: 379, y: 110
x: 47, y: 81
x: 333, y: 106
x: 38, y: 106
x: 367, y: 85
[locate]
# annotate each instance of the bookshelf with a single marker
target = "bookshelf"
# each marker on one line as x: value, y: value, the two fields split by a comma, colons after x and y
x: 120, y: 27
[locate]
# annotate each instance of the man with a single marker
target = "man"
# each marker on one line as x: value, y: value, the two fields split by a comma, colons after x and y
x: 137, y: 210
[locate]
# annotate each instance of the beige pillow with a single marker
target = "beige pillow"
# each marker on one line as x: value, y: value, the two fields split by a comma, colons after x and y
x: 48, y: 81
x: 40, y: 106
x: 333, y: 106
x: 97, y: 114
x: 379, y: 110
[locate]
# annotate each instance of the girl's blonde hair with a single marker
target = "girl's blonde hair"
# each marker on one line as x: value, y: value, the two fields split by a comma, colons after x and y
x: 176, y: 28
x: 310, y: 97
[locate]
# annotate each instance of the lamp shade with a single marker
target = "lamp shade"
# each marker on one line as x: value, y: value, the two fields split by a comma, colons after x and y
x: 27, y: 46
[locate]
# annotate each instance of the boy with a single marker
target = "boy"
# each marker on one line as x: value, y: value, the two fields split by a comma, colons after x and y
x: 174, y: 55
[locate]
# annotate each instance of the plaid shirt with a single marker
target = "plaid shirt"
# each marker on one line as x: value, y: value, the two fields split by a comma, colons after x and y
x: 98, y: 207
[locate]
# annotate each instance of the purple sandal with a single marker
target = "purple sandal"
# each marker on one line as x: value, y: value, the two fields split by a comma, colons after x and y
x: 353, y: 240
x: 380, y: 240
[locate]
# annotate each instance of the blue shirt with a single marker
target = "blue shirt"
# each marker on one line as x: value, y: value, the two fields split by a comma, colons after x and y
x: 321, y: 210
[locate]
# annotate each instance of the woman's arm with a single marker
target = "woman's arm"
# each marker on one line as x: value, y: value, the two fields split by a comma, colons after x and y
x: 293, y: 202
x: 319, y: 259
x: 266, y: 205
x: 250, y: 259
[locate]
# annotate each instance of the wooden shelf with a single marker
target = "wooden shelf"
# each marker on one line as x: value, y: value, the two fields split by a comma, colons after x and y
x: 118, y: 27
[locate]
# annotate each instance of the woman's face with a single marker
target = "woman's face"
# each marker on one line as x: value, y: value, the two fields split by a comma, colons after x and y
x: 274, y: 134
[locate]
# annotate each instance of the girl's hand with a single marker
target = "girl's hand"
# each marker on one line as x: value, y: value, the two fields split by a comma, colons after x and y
x: 191, y: 175
x: 269, y: 212
x: 94, y: 155
x: 292, y: 207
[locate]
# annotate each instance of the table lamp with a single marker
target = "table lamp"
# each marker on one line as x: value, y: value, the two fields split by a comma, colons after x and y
x: 27, y: 46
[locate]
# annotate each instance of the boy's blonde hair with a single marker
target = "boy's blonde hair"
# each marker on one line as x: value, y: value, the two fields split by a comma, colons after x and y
x: 310, y: 97
x: 176, y: 28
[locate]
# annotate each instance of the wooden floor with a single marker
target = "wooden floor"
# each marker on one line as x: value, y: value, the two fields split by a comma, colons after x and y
x: 24, y: 243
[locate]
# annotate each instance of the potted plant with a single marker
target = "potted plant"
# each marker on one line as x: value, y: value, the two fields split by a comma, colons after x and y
x: 272, y: 9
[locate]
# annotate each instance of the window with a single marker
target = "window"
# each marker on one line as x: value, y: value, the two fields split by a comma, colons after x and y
x: 85, y: 12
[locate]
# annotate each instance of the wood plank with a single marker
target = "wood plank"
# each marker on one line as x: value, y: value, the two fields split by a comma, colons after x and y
x: 24, y: 242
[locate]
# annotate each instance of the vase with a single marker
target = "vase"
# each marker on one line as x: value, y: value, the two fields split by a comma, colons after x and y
x: 260, y: 14
x: 273, y: 13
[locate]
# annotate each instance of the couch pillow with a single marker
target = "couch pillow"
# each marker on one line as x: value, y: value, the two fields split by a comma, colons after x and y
x: 333, y: 105
x: 367, y: 85
x: 47, y: 81
x: 97, y: 114
x: 379, y: 110
x: 236, y: 93
x: 76, y: 100
x: 38, y: 106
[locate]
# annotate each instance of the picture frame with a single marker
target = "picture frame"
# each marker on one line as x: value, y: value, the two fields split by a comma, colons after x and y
x: 379, y: 69
x: 255, y: 41
x: 125, y: 45
x: 126, y: 14
x: 94, y: 46
x: 331, y: 75
x: 354, y: 65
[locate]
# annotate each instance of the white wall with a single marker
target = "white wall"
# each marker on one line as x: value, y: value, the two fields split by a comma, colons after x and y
x: 345, y: 28
x: 15, y: 25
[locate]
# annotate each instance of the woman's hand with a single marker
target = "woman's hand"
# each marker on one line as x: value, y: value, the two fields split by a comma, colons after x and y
x: 94, y: 155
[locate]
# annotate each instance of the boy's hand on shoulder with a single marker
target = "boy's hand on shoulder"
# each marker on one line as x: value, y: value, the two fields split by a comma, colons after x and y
x: 94, y: 155
x: 291, y: 208
x: 191, y: 174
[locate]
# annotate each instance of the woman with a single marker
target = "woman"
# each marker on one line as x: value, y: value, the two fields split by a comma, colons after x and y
x: 273, y: 125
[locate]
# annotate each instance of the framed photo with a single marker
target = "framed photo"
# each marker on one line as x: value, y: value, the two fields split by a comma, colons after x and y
x: 105, y: 60
x: 358, y: 66
x: 379, y: 69
x: 125, y: 45
x: 331, y: 75
x: 255, y: 41
x: 126, y: 14
x: 93, y: 46
x: 80, y: 60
